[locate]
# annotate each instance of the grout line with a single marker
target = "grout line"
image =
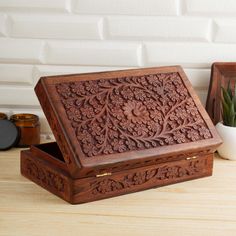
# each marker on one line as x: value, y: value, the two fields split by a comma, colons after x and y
x: 68, y: 4
x: 141, y: 55
x: 212, y: 31
x: 180, y: 7
x: 102, y: 28
x: 209, y: 31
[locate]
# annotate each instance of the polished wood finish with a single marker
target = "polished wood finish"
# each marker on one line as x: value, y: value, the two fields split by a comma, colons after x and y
x: 120, y: 132
x: 221, y: 74
x: 55, y: 179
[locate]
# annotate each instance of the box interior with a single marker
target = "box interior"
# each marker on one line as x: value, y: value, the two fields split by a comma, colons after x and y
x: 52, y: 149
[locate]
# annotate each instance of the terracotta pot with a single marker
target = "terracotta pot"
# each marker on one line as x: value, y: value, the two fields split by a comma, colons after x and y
x: 227, y: 150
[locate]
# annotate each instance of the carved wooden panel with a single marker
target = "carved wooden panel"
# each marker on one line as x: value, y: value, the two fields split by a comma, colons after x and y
x: 42, y: 174
x: 114, y: 121
x: 45, y: 176
x: 167, y: 172
x: 122, y: 114
x: 142, y: 178
x: 81, y: 190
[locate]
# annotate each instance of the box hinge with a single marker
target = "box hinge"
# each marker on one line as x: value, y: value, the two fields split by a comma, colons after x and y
x: 104, y: 174
x: 190, y: 158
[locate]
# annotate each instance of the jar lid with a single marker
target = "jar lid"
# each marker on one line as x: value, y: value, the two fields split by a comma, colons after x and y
x: 3, y: 116
x: 24, y: 117
x: 9, y: 134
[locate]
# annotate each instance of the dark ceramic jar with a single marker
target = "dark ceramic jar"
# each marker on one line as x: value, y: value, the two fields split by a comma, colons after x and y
x: 29, y: 128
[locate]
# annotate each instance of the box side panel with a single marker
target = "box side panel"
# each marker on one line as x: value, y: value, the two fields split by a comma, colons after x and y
x: 91, y: 189
x: 57, y: 129
x: 46, y: 175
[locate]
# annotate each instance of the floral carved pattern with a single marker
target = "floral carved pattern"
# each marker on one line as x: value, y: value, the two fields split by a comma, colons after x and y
x: 131, y: 113
x: 165, y: 173
x: 45, y: 177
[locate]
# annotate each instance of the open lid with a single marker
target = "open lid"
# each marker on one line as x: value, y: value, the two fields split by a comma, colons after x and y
x: 106, y: 118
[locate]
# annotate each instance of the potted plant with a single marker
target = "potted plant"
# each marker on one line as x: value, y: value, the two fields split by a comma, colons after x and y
x: 227, y: 128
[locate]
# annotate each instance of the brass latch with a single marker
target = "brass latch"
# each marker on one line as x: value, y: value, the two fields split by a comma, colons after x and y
x: 104, y: 174
x: 190, y: 158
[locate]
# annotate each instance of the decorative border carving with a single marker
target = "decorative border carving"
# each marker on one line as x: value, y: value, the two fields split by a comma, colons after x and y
x: 55, y: 127
x: 45, y: 176
x: 153, y: 161
x: 169, y: 172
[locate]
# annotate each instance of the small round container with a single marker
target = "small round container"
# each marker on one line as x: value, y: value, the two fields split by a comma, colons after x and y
x: 29, y: 127
x: 3, y: 116
x: 9, y: 134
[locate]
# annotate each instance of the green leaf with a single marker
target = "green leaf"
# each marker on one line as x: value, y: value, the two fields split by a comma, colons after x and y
x: 226, y: 96
x: 231, y: 114
x: 234, y: 89
x: 225, y: 112
x: 229, y: 90
x: 234, y: 101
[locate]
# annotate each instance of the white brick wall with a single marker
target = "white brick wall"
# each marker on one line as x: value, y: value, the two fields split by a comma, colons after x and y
x: 158, y: 28
x: 210, y: 7
x: 49, y: 37
x: 35, y: 5
x: 126, y: 7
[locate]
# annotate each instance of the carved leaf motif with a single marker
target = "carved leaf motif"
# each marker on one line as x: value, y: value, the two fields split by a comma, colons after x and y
x: 45, y: 176
x: 131, y: 113
x: 142, y: 177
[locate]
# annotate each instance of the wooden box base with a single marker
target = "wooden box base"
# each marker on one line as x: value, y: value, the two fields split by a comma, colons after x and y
x: 56, y: 179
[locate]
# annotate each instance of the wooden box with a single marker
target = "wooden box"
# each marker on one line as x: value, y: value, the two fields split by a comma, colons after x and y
x: 120, y: 132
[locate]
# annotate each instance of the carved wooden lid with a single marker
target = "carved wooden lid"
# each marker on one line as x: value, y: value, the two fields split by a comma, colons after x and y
x: 122, y: 116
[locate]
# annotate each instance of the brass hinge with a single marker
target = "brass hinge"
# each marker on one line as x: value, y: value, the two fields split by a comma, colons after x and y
x: 104, y: 174
x: 190, y: 158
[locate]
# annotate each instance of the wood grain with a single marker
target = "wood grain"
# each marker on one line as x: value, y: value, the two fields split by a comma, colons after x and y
x: 201, y: 207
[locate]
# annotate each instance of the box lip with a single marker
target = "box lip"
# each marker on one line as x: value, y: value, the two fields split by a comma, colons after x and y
x: 147, y: 153
x: 36, y: 151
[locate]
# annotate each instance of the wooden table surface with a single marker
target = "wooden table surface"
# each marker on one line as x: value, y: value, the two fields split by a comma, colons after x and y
x: 201, y: 207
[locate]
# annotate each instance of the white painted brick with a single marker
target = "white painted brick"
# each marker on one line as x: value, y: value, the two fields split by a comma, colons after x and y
x: 188, y: 54
x: 127, y: 7
x: 13, y: 95
x: 44, y: 70
x: 93, y: 53
x: 163, y: 28
x: 32, y: 5
x: 211, y: 7
x: 202, y: 94
x: 225, y: 30
x: 56, y: 26
x: 199, y: 78
x: 14, y: 73
x: 3, y: 24
x: 20, y: 50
